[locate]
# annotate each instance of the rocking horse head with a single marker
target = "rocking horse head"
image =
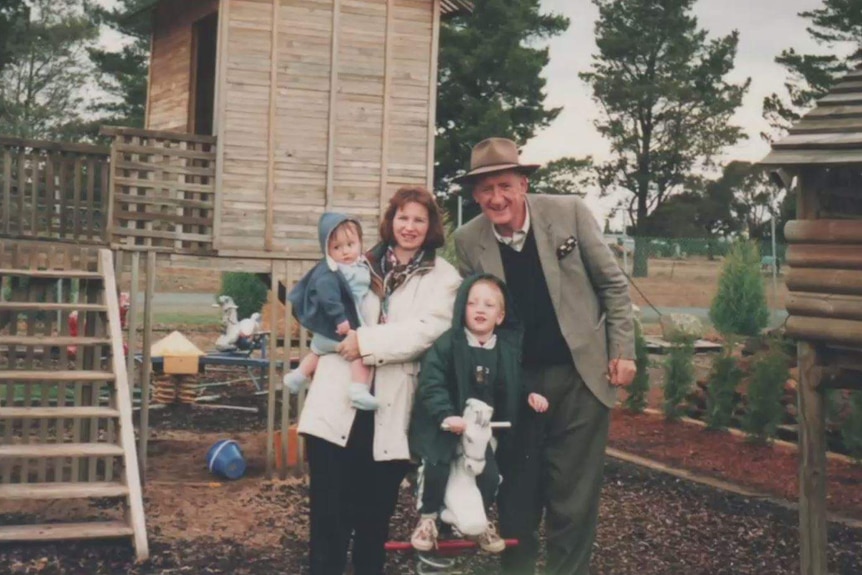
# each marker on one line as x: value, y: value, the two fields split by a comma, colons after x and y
x: 474, y: 441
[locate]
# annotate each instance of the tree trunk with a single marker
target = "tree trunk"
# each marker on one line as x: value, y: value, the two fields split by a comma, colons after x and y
x: 641, y: 258
x: 640, y: 267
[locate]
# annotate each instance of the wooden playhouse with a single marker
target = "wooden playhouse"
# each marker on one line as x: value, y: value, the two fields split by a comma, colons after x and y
x: 293, y: 107
x: 821, y: 162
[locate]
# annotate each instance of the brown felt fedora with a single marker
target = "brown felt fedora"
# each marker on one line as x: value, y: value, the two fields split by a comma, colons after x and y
x: 494, y: 155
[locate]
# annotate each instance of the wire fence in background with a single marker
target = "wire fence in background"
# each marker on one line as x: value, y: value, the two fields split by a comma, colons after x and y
x: 682, y: 274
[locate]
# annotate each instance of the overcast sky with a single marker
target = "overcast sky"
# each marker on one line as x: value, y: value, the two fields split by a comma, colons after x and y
x: 766, y: 27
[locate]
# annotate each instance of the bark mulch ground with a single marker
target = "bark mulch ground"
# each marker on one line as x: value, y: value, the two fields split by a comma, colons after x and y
x: 650, y: 523
x: 770, y: 469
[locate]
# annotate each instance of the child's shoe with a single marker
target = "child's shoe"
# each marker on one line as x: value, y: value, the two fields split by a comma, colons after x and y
x: 295, y: 381
x: 361, y: 398
x: 490, y: 542
x: 424, y: 537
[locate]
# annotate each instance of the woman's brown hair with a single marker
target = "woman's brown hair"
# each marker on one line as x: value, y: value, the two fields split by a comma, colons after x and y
x: 436, y: 237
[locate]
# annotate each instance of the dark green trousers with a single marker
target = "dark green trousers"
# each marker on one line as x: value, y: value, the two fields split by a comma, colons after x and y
x: 555, y: 467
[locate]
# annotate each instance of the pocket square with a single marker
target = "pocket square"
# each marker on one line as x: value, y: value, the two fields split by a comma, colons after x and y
x: 567, y: 247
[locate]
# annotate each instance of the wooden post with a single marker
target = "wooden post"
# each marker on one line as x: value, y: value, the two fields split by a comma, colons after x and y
x: 273, y: 336
x: 388, y: 64
x: 219, y: 115
x: 147, y: 365
x: 812, y: 420
x: 133, y: 321
x: 432, y: 96
x: 270, y: 146
x: 812, y: 463
x: 285, y: 393
x: 333, y: 101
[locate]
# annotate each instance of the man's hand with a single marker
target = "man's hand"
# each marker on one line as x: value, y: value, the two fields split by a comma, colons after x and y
x: 349, y: 346
x: 455, y: 424
x: 621, y: 372
x: 342, y: 328
x: 538, y: 402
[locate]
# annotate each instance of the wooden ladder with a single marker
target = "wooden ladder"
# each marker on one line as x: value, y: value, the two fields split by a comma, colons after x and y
x: 65, y: 401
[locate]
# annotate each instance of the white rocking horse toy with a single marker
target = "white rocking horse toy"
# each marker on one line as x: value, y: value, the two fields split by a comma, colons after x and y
x: 463, y: 507
x: 237, y: 334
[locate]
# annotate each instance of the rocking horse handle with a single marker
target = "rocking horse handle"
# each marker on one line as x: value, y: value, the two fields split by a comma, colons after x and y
x: 494, y: 425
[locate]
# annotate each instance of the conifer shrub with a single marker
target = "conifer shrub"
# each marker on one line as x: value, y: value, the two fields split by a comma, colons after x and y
x: 851, y: 429
x: 639, y: 387
x: 247, y: 290
x: 679, y: 376
x: 765, y: 411
x: 739, y: 306
x: 724, y: 378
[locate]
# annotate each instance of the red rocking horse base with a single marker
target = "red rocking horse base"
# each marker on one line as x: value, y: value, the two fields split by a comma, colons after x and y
x: 446, y: 547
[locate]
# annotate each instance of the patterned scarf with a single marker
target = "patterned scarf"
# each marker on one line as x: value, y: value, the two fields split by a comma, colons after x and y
x: 394, y: 274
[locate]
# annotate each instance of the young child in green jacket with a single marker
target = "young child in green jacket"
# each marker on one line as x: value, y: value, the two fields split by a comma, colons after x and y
x: 479, y: 357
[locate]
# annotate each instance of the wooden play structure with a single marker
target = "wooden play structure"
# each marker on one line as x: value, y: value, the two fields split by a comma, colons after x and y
x: 821, y: 162
x: 261, y: 114
x: 67, y: 433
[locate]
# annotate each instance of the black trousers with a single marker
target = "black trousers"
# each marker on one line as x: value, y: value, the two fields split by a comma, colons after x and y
x: 435, y: 476
x: 351, y: 496
x: 555, y: 467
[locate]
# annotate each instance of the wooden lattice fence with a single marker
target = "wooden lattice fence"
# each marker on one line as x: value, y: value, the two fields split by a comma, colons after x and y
x: 53, y: 191
x: 163, y: 190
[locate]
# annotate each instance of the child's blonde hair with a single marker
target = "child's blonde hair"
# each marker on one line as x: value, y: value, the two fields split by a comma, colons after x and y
x: 498, y: 287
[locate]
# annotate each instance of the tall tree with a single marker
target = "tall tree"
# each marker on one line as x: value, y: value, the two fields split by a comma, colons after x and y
x: 43, y: 83
x: 837, y: 26
x: 122, y: 73
x: 13, y: 14
x: 490, y: 80
x: 564, y: 176
x: 666, y: 104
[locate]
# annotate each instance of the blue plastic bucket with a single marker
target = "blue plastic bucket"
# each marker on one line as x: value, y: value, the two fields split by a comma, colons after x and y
x: 225, y: 459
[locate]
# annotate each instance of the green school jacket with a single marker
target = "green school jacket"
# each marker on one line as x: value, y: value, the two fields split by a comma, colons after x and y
x: 447, y: 375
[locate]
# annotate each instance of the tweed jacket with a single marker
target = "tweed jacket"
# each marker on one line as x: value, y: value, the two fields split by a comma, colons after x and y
x: 589, y: 292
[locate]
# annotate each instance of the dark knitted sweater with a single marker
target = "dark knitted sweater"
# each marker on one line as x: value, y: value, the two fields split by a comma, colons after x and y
x: 543, y: 341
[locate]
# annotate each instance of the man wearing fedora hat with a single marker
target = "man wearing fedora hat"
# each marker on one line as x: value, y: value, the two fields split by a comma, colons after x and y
x: 573, y: 301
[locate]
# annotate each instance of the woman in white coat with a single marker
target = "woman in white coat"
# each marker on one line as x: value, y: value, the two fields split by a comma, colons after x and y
x: 357, y: 459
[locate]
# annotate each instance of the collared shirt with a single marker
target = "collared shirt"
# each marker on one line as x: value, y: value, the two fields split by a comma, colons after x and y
x: 473, y: 341
x: 517, y: 239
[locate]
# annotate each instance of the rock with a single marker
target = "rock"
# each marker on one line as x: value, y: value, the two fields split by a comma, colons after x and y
x: 681, y: 325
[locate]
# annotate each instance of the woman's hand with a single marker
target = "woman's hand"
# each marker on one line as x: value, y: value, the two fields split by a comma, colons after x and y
x: 349, y: 346
x: 455, y: 424
x: 539, y: 403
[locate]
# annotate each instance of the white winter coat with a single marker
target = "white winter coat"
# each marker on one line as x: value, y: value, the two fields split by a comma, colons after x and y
x: 420, y: 310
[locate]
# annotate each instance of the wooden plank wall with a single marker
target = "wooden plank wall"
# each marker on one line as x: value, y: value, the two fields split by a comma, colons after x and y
x: 344, y: 149
x: 244, y: 102
x: 171, y: 63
